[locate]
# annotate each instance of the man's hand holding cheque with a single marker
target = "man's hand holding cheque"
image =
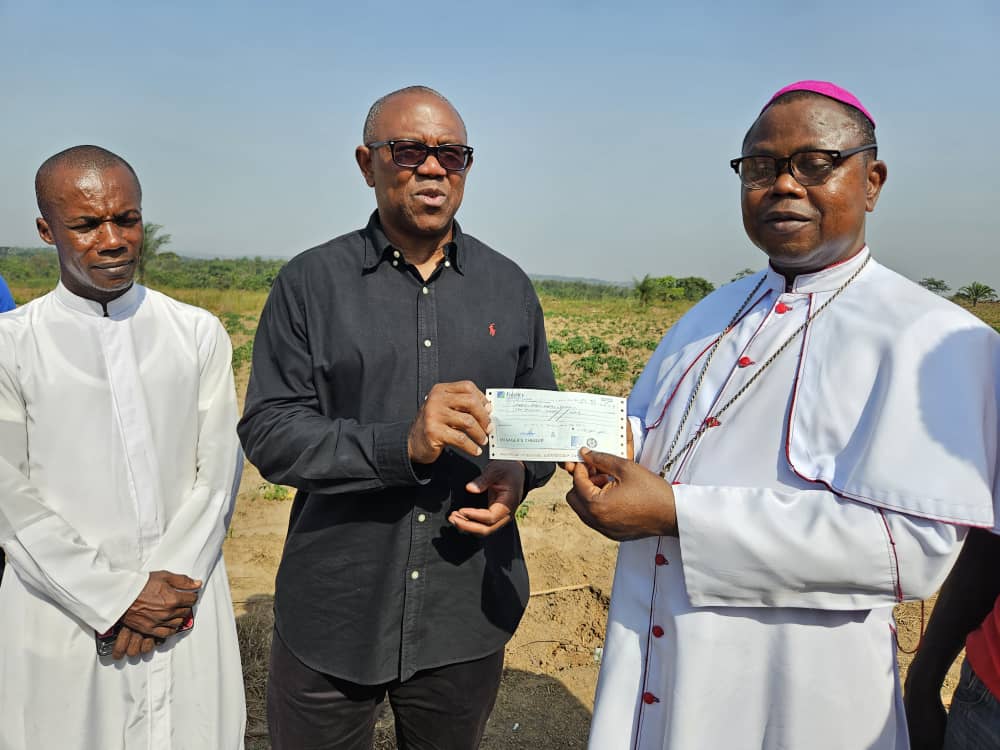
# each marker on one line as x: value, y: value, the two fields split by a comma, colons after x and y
x: 457, y: 415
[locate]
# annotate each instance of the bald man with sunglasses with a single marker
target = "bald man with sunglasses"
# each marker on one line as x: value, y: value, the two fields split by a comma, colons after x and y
x: 402, y: 575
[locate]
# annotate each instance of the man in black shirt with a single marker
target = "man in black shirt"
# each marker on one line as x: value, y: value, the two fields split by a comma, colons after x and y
x: 402, y: 573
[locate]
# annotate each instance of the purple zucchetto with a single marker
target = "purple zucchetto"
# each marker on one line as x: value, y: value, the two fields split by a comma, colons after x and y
x: 827, y: 89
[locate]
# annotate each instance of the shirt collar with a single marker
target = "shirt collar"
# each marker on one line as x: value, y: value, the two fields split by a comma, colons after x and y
x: 378, y: 247
x: 825, y: 280
x: 119, y: 307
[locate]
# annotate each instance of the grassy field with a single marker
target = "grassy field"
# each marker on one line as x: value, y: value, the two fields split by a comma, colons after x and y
x: 599, y: 346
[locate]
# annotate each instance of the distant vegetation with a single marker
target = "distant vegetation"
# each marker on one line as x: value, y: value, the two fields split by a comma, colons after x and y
x: 977, y: 292
x: 38, y: 268
x: 563, y: 289
x: 29, y: 266
x: 934, y: 285
x: 668, y: 289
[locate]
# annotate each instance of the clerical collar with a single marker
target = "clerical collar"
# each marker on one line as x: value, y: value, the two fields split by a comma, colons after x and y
x: 825, y: 280
x: 116, y: 308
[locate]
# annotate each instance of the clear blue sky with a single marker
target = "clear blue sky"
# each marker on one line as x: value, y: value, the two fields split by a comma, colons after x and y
x: 602, y: 130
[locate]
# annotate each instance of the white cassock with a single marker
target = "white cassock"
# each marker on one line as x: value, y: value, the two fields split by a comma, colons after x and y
x: 839, y: 484
x: 118, y: 456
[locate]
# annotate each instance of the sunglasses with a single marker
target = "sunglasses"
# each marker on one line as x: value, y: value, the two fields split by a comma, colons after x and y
x: 411, y: 154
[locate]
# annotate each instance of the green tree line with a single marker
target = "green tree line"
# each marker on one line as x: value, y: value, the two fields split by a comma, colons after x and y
x: 39, y: 268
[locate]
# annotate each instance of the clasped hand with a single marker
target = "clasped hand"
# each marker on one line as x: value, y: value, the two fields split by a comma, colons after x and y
x: 164, y: 604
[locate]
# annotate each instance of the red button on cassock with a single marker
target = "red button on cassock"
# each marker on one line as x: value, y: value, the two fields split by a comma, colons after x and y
x: 745, y: 362
x: 781, y: 308
x: 661, y: 560
x: 649, y: 698
x: 657, y: 631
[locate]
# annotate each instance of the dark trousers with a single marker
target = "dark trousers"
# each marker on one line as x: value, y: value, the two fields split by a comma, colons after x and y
x: 445, y: 708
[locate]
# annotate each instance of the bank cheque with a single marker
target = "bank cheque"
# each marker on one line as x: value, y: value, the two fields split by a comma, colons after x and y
x: 536, y: 425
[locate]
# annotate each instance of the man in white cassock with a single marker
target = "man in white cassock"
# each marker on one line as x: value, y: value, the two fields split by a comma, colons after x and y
x: 812, y: 443
x: 118, y: 467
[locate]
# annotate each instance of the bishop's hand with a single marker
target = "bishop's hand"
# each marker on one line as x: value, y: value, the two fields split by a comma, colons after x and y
x: 620, y: 498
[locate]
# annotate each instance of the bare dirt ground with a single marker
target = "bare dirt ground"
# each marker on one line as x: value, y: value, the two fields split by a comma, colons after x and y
x: 546, y: 697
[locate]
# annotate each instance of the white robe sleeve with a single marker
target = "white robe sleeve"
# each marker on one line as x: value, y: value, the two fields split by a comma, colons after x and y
x: 192, y: 541
x: 42, y: 548
x: 753, y: 547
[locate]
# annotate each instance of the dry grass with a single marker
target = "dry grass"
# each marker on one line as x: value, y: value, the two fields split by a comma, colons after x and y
x: 219, y: 301
x: 253, y: 631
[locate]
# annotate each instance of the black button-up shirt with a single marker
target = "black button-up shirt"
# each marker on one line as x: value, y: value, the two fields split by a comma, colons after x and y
x: 374, y: 583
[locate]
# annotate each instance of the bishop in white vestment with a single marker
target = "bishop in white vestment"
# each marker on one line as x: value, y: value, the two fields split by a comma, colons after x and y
x: 816, y: 438
x: 118, y: 458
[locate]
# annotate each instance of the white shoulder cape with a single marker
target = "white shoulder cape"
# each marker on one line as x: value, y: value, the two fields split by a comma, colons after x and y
x: 895, y: 397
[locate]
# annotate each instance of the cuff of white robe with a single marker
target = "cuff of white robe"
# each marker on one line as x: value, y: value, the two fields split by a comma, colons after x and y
x: 733, y: 556
x: 638, y: 434
x: 99, y: 595
x: 126, y: 598
x: 393, y: 457
x: 706, y: 579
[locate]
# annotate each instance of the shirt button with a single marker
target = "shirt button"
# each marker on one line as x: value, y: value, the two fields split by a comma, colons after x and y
x: 415, y: 575
x: 781, y: 308
x: 661, y: 560
x: 427, y: 342
x: 745, y: 362
x: 657, y: 631
x: 421, y: 518
x: 395, y: 263
x: 649, y: 698
x: 395, y: 253
x: 426, y: 290
x: 447, y: 264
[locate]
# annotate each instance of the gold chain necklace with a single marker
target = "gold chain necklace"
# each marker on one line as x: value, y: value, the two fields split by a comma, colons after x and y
x: 713, y: 420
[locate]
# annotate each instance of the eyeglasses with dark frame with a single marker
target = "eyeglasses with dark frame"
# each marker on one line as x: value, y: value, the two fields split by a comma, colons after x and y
x: 809, y: 168
x: 454, y: 157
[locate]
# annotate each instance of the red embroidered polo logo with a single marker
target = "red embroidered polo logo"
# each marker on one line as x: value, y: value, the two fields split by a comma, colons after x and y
x: 493, y: 329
